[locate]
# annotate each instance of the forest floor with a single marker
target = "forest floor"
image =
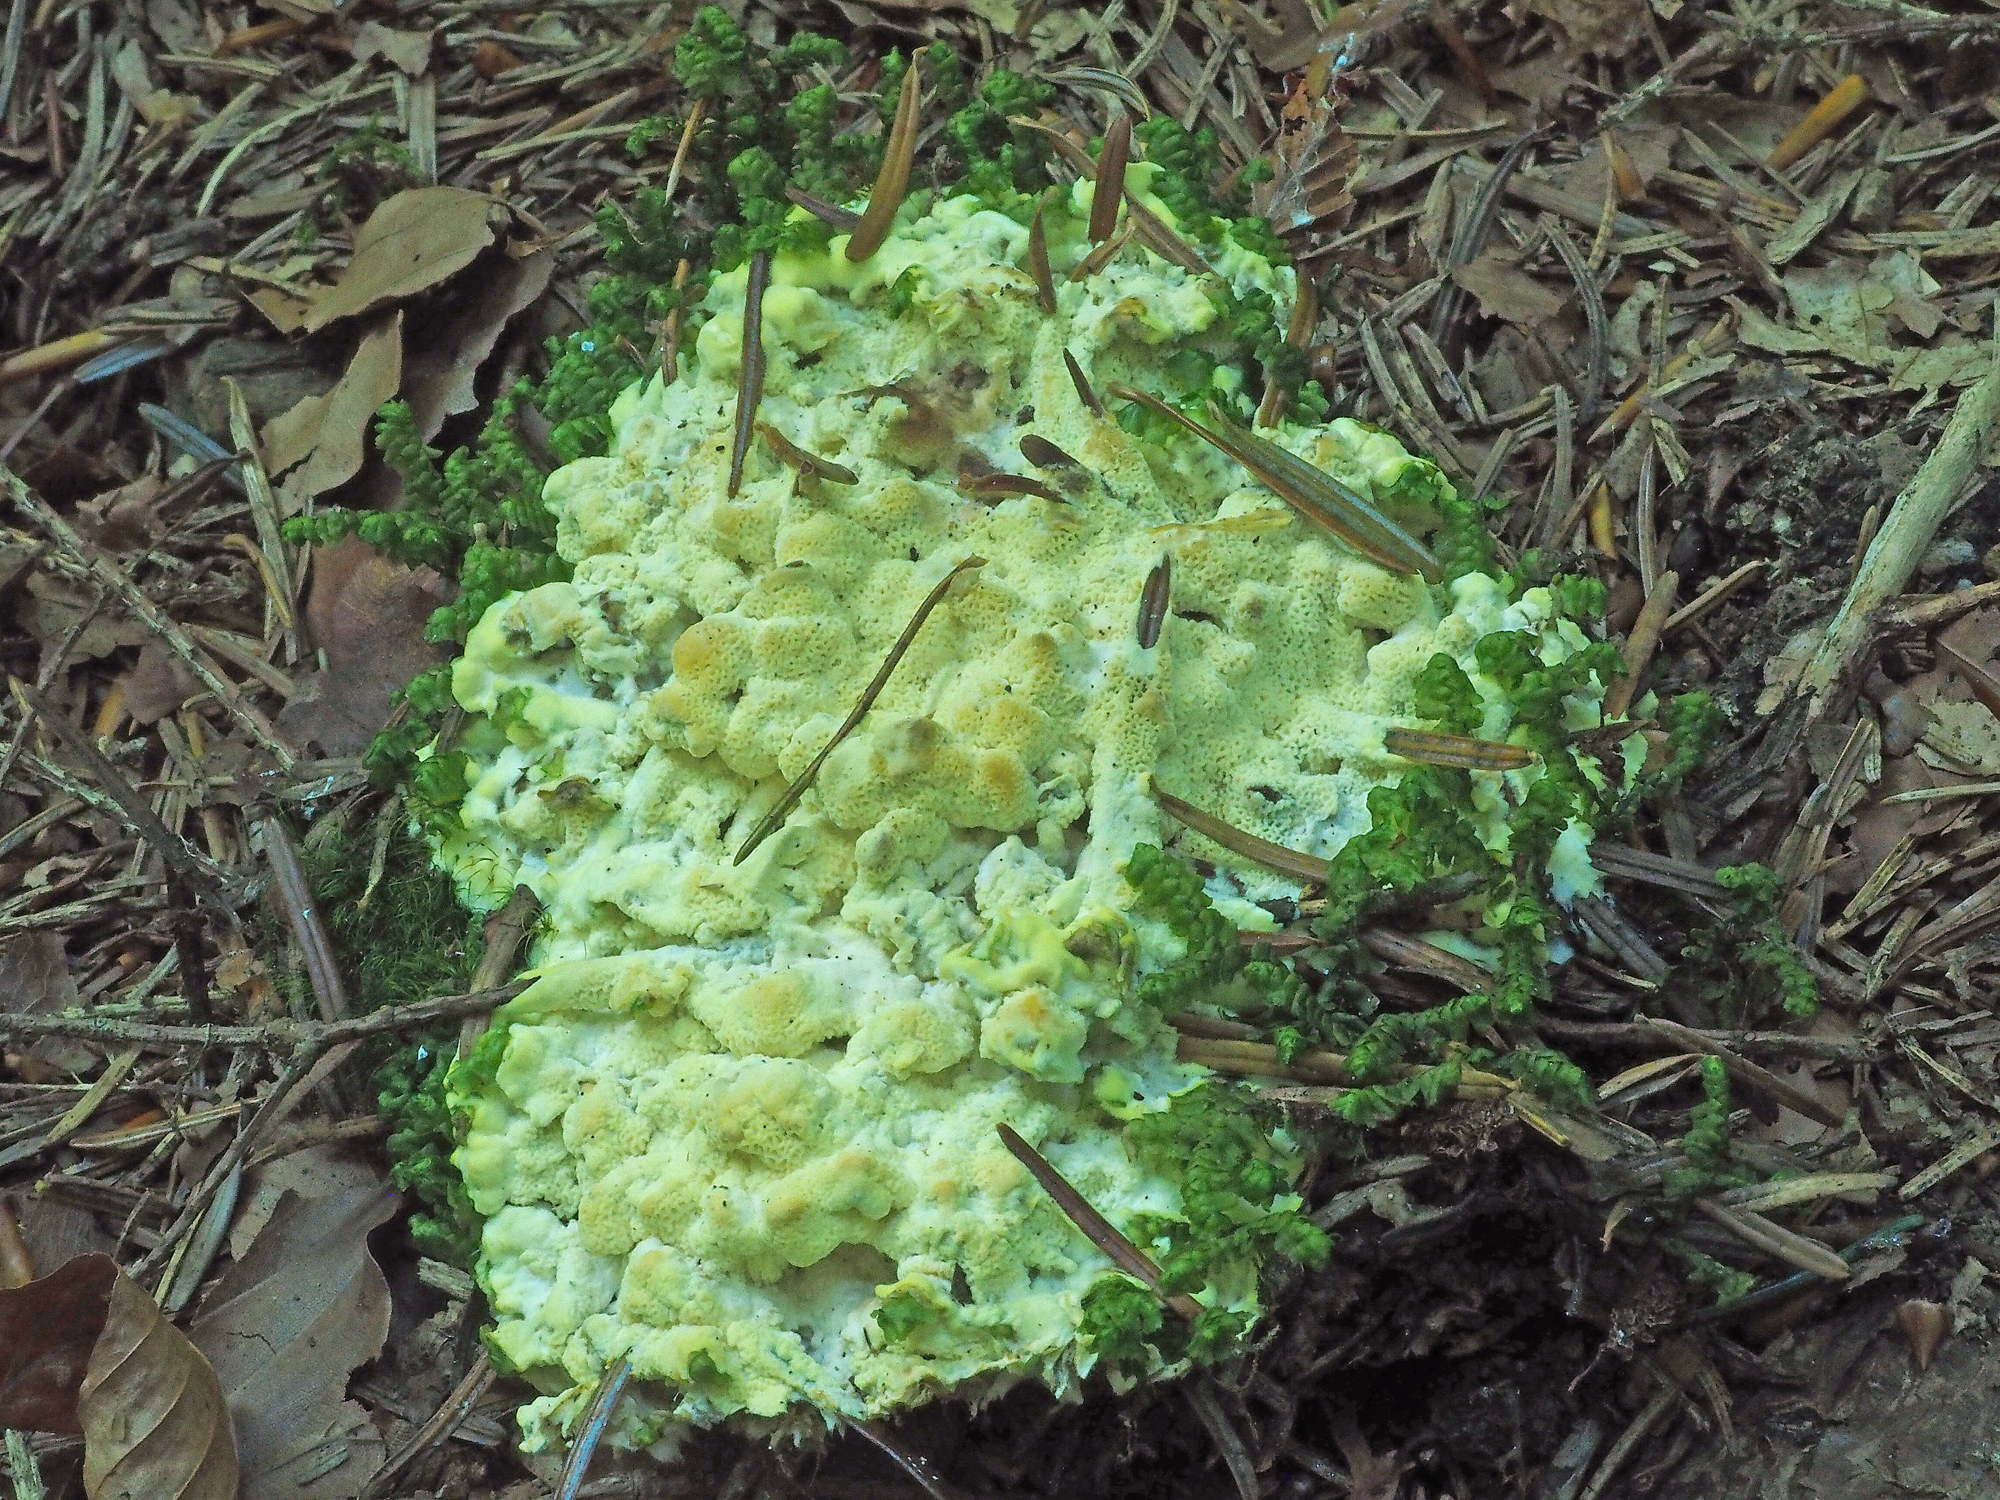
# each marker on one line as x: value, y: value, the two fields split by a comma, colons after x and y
x: 1705, y: 293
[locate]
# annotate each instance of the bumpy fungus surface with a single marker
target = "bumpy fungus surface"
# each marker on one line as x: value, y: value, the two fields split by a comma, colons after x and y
x: 742, y: 1132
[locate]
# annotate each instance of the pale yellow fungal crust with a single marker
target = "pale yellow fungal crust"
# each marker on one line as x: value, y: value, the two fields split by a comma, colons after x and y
x: 748, y: 1102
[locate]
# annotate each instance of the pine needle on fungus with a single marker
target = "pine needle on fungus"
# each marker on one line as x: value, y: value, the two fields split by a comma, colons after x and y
x: 750, y: 384
x: 777, y: 815
x: 893, y: 181
x: 1309, y: 490
x: 1293, y: 862
x: 1127, y: 1256
x: 1432, y: 748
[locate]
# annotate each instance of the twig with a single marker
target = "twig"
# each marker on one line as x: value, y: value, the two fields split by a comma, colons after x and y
x: 443, y: 1422
x: 1201, y: 1396
x: 153, y: 618
x: 1905, y: 535
x: 195, y: 868
x: 776, y: 817
x: 295, y: 895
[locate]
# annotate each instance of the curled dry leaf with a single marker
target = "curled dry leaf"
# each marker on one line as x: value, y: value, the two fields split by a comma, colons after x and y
x: 445, y: 352
x: 323, y: 439
x: 368, y: 614
x: 414, y: 240
x: 86, y: 1350
x: 285, y: 1327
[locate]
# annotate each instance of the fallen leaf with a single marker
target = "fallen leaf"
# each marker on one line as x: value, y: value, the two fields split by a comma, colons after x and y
x: 1507, y: 292
x: 368, y: 614
x: 47, y: 1330
x: 35, y: 979
x: 323, y: 1171
x: 414, y: 240
x: 323, y: 439
x: 285, y: 312
x: 125, y: 519
x: 444, y: 360
x: 153, y: 1419
x: 157, y: 685
x: 408, y: 50
x: 1603, y: 27
x: 284, y: 1329
x: 84, y: 1349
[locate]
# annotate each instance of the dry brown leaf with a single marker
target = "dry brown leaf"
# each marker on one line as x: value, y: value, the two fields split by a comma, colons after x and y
x: 330, y: 1170
x: 47, y: 1330
x: 49, y: 606
x: 1607, y: 28
x: 125, y: 519
x: 368, y: 614
x: 35, y: 978
x: 157, y: 685
x: 84, y: 1349
x: 445, y: 357
x: 153, y: 1420
x: 414, y: 240
x: 408, y: 50
x: 1507, y: 292
x: 323, y: 439
x: 284, y: 1329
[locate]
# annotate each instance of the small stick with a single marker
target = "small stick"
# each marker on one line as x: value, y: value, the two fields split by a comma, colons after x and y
x: 295, y: 894
x: 152, y: 617
x: 1099, y: 1230
x: 750, y: 384
x: 175, y: 850
x: 1905, y: 534
x: 893, y: 181
x: 1640, y: 645
x: 443, y: 1422
x: 776, y: 817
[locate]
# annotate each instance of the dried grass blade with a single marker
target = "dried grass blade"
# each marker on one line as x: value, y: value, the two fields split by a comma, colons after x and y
x: 893, y: 181
x: 1462, y: 750
x: 1109, y: 189
x: 1292, y: 862
x: 1309, y: 490
x: 750, y: 383
x: 776, y: 817
x: 1099, y: 1230
x: 1153, y: 601
x: 1761, y: 1234
x: 1038, y: 263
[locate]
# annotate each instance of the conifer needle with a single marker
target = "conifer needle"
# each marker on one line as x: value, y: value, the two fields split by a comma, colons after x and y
x: 893, y: 181
x: 1099, y: 1230
x: 774, y: 819
x: 750, y: 382
x: 1293, y: 862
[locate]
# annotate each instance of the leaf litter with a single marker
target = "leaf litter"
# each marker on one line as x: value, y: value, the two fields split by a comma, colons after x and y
x: 1781, y: 340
